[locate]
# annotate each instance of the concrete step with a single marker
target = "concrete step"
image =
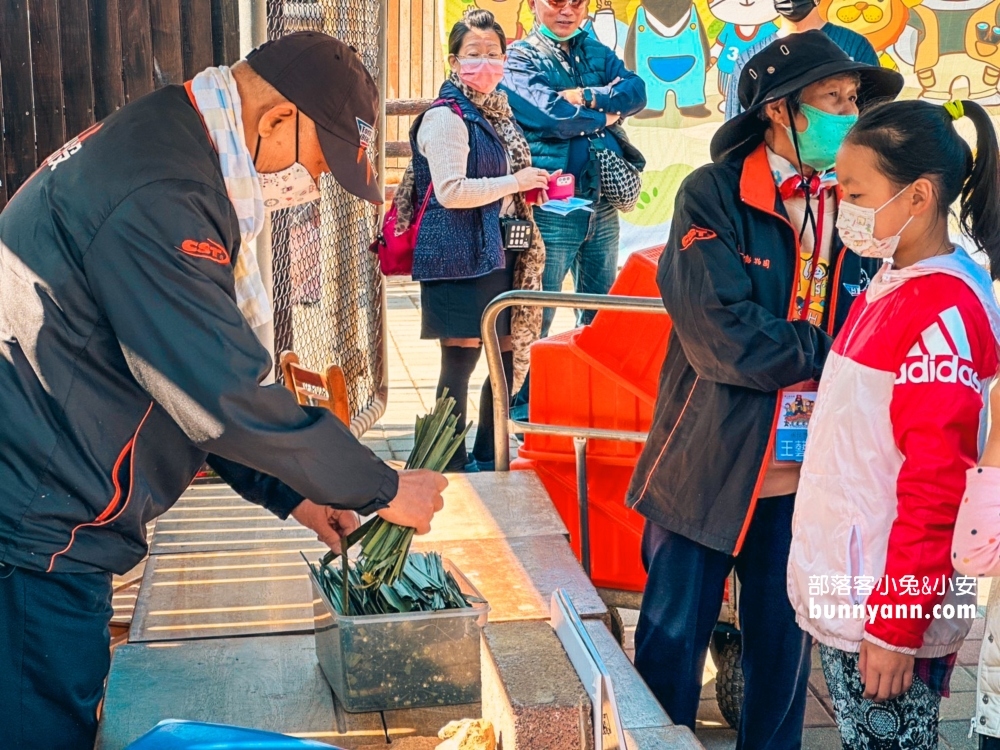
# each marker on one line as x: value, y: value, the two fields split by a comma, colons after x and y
x: 646, y: 725
x: 531, y: 693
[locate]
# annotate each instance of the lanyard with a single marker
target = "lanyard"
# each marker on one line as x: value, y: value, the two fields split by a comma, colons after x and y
x: 810, y: 270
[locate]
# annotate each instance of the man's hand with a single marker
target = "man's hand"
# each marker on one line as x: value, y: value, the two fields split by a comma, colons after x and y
x: 417, y: 499
x: 612, y: 119
x: 885, y: 674
x: 329, y: 523
x: 573, y: 96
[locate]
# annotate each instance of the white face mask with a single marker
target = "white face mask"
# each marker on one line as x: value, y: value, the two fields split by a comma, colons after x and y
x: 289, y: 187
x: 856, y: 226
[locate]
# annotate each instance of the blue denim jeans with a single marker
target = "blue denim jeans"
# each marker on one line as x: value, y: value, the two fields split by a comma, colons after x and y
x: 585, y: 243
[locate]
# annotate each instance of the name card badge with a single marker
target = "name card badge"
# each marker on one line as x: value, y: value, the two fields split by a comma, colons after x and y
x: 793, y: 425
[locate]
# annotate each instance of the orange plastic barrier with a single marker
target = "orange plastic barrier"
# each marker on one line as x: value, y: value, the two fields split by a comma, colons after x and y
x: 630, y: 345
x: 615, y: 531
x: 567, y: 390
x: 605, y: 376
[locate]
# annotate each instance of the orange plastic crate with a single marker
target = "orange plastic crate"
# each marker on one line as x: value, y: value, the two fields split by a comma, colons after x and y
x: 615, y: 531
x: 567, y: 391
x: 630, y: 346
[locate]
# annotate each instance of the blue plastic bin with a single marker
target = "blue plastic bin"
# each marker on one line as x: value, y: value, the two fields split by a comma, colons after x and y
x: 175, y: 734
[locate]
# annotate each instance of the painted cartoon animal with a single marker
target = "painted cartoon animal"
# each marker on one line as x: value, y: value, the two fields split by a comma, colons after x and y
x: 608, y: 24
x: 507, y: 14
x: 881, y: 22
x: 668, y: 48
x: 958, y: 41
x: 746, y: 23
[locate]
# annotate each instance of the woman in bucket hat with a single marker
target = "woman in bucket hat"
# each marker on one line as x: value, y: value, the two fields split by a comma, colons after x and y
x: 757, y: 284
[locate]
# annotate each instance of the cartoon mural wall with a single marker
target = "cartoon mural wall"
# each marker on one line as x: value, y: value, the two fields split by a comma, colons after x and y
x: 685, y: 51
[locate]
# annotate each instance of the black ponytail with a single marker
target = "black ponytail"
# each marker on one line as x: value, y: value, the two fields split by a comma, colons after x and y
x: 980, y: 212
x: 914, y: 139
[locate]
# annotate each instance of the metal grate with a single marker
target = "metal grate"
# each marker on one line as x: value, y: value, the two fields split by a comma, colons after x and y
x: 328, y: 292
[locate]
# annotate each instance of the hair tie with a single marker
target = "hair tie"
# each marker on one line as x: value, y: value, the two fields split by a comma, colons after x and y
x: 955, y: 108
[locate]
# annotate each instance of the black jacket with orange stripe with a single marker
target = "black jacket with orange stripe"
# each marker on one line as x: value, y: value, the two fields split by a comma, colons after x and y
x: 727, y: 278
x: 124, y: 360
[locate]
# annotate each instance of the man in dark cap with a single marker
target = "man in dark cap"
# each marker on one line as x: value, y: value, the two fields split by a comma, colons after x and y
x: 127, y: 359
x: 757, y: 283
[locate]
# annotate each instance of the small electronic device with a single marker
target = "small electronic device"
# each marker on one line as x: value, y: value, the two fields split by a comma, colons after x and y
x: 561, y: 186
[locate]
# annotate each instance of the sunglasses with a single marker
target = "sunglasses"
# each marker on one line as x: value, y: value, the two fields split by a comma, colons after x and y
x: 560, y: 4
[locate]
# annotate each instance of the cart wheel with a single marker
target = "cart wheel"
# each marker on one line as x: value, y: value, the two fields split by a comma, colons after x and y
x: 728, y: 653
x: 617, y: 626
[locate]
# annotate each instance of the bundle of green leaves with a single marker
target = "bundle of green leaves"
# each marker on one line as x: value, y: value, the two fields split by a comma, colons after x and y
x: 385, y: 560
x: 422, y: 586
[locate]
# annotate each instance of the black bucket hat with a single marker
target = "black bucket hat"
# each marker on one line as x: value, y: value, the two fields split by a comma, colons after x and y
x: 788, y: 65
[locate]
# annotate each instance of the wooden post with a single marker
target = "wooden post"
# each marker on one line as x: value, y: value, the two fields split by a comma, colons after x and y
x: 226, y: 31
x: 137, y: 65
x: 19, y: 124
x: 106, y: 46
x: 3, y: 151
x: 77, y: 77
x: 46, y: 74
x: 196, y: 22
x: 165, y: 29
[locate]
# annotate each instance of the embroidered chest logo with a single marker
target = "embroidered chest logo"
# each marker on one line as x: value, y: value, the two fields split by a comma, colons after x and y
x: 208, y: 249
x: 942, y: 355
x: 694, y: 234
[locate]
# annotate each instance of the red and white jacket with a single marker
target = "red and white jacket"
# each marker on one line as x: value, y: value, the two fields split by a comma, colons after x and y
x: 897, y: 423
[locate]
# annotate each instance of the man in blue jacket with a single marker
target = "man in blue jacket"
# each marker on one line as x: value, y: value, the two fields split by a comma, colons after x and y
x: 567, y: 89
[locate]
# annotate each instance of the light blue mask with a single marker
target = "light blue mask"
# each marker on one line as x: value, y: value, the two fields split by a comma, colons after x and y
x: 820, y: 141
x: 546, y: 31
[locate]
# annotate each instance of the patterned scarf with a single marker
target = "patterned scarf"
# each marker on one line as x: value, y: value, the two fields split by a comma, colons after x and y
x: 218, y: 102
x: 525, y: 322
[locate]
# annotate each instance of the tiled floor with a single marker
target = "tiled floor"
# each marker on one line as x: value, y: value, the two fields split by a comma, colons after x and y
x: 413, y: 371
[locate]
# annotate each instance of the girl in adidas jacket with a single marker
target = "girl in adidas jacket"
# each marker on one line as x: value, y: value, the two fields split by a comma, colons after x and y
x: 898, y: 422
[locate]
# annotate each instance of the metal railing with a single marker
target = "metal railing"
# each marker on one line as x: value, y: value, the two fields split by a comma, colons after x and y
x: 329, y: 296
x: 501, y: 397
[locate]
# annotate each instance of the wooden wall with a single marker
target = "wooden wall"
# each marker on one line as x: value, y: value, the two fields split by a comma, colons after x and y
x: 416, y: 62
x: 64, y: 64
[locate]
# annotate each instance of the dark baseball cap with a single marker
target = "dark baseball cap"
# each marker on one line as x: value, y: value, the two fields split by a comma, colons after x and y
x: 326, y: 80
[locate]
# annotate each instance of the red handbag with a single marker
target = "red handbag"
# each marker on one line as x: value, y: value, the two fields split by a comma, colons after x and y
x: 395, y: 252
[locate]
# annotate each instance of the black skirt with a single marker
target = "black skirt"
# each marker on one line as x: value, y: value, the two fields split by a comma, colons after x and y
x: 454, y: 309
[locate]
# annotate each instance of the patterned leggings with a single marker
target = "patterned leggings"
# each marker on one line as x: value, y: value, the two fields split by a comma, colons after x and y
x: 909, y: 721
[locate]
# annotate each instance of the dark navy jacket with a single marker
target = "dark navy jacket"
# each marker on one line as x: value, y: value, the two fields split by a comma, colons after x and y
x: 124, y: 360
x: 459, y: 243
x: 538, y: 69
x: 728, y: 279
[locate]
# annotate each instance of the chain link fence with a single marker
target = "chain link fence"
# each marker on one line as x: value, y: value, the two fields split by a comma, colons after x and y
x: 328, y: 292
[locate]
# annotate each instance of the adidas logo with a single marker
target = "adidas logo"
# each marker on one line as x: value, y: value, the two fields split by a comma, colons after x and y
x: 942, y: 355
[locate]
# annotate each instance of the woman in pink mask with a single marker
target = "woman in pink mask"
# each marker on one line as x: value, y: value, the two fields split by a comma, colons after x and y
x: 465, y: 187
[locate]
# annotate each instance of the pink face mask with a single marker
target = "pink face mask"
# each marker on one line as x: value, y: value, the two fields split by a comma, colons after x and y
x: 480, y: 73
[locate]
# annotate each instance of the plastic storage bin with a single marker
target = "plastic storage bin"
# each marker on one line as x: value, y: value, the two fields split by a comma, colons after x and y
x: 630, y: 346
x: 615, y: 530
x: 175, y: 734
x: 566, y: 390
x: 388, y: 662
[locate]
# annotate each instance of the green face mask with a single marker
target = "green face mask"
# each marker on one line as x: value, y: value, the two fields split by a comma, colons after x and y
x: 546, y: 31
x: 819, y: 142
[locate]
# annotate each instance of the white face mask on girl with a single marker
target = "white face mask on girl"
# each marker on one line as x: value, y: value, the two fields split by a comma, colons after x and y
x: 289, y: 187
x: 856, y: 226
